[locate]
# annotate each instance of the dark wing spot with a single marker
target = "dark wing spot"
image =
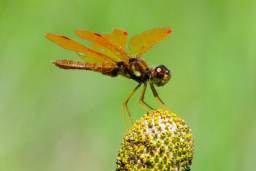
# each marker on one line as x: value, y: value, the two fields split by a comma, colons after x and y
x: 64, y: 37
x: 97, y: 34
x: 125, y: 33
x: 169, y: 31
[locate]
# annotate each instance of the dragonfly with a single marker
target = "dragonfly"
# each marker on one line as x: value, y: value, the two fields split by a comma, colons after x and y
x: 107, y: 54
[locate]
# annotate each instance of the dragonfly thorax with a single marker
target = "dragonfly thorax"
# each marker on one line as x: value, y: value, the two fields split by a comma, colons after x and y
x: 137, y: 70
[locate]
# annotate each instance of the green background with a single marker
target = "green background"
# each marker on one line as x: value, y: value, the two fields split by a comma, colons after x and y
x: 57, y: 120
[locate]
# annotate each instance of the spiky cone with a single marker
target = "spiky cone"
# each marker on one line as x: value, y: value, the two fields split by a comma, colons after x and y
x: 157, y: 141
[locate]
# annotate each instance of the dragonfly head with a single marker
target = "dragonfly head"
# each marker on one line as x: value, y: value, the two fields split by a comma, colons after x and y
x: 160, y: 75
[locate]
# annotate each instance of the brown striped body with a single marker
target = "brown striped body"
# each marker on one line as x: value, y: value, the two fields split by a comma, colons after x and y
x: 136, y: 69
x: 104, y: 68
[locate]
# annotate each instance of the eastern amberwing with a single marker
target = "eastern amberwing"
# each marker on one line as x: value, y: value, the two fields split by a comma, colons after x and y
x: 107, y: 55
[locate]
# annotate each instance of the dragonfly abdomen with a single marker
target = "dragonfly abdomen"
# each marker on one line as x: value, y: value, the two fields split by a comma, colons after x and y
x: 104, y: 68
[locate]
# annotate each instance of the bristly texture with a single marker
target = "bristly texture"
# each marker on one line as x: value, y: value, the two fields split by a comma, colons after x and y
x: 158, y: 141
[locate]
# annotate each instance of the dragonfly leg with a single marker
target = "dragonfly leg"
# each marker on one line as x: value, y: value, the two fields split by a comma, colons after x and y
x: 125, y: 104
x: 157, y: 96
x: 142, y: 102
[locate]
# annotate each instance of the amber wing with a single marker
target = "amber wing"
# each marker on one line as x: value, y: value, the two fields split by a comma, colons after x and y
x: 117, y: 38
x: 110, y: 44
x: 143, y: 42
x: 72, y: 45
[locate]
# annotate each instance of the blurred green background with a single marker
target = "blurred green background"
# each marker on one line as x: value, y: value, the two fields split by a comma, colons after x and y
x: 57, y: 120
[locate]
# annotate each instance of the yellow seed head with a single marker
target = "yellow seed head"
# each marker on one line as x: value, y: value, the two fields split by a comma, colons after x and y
x: 158, y: 141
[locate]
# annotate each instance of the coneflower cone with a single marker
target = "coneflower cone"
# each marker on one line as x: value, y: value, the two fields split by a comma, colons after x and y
x: 157, y: 141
